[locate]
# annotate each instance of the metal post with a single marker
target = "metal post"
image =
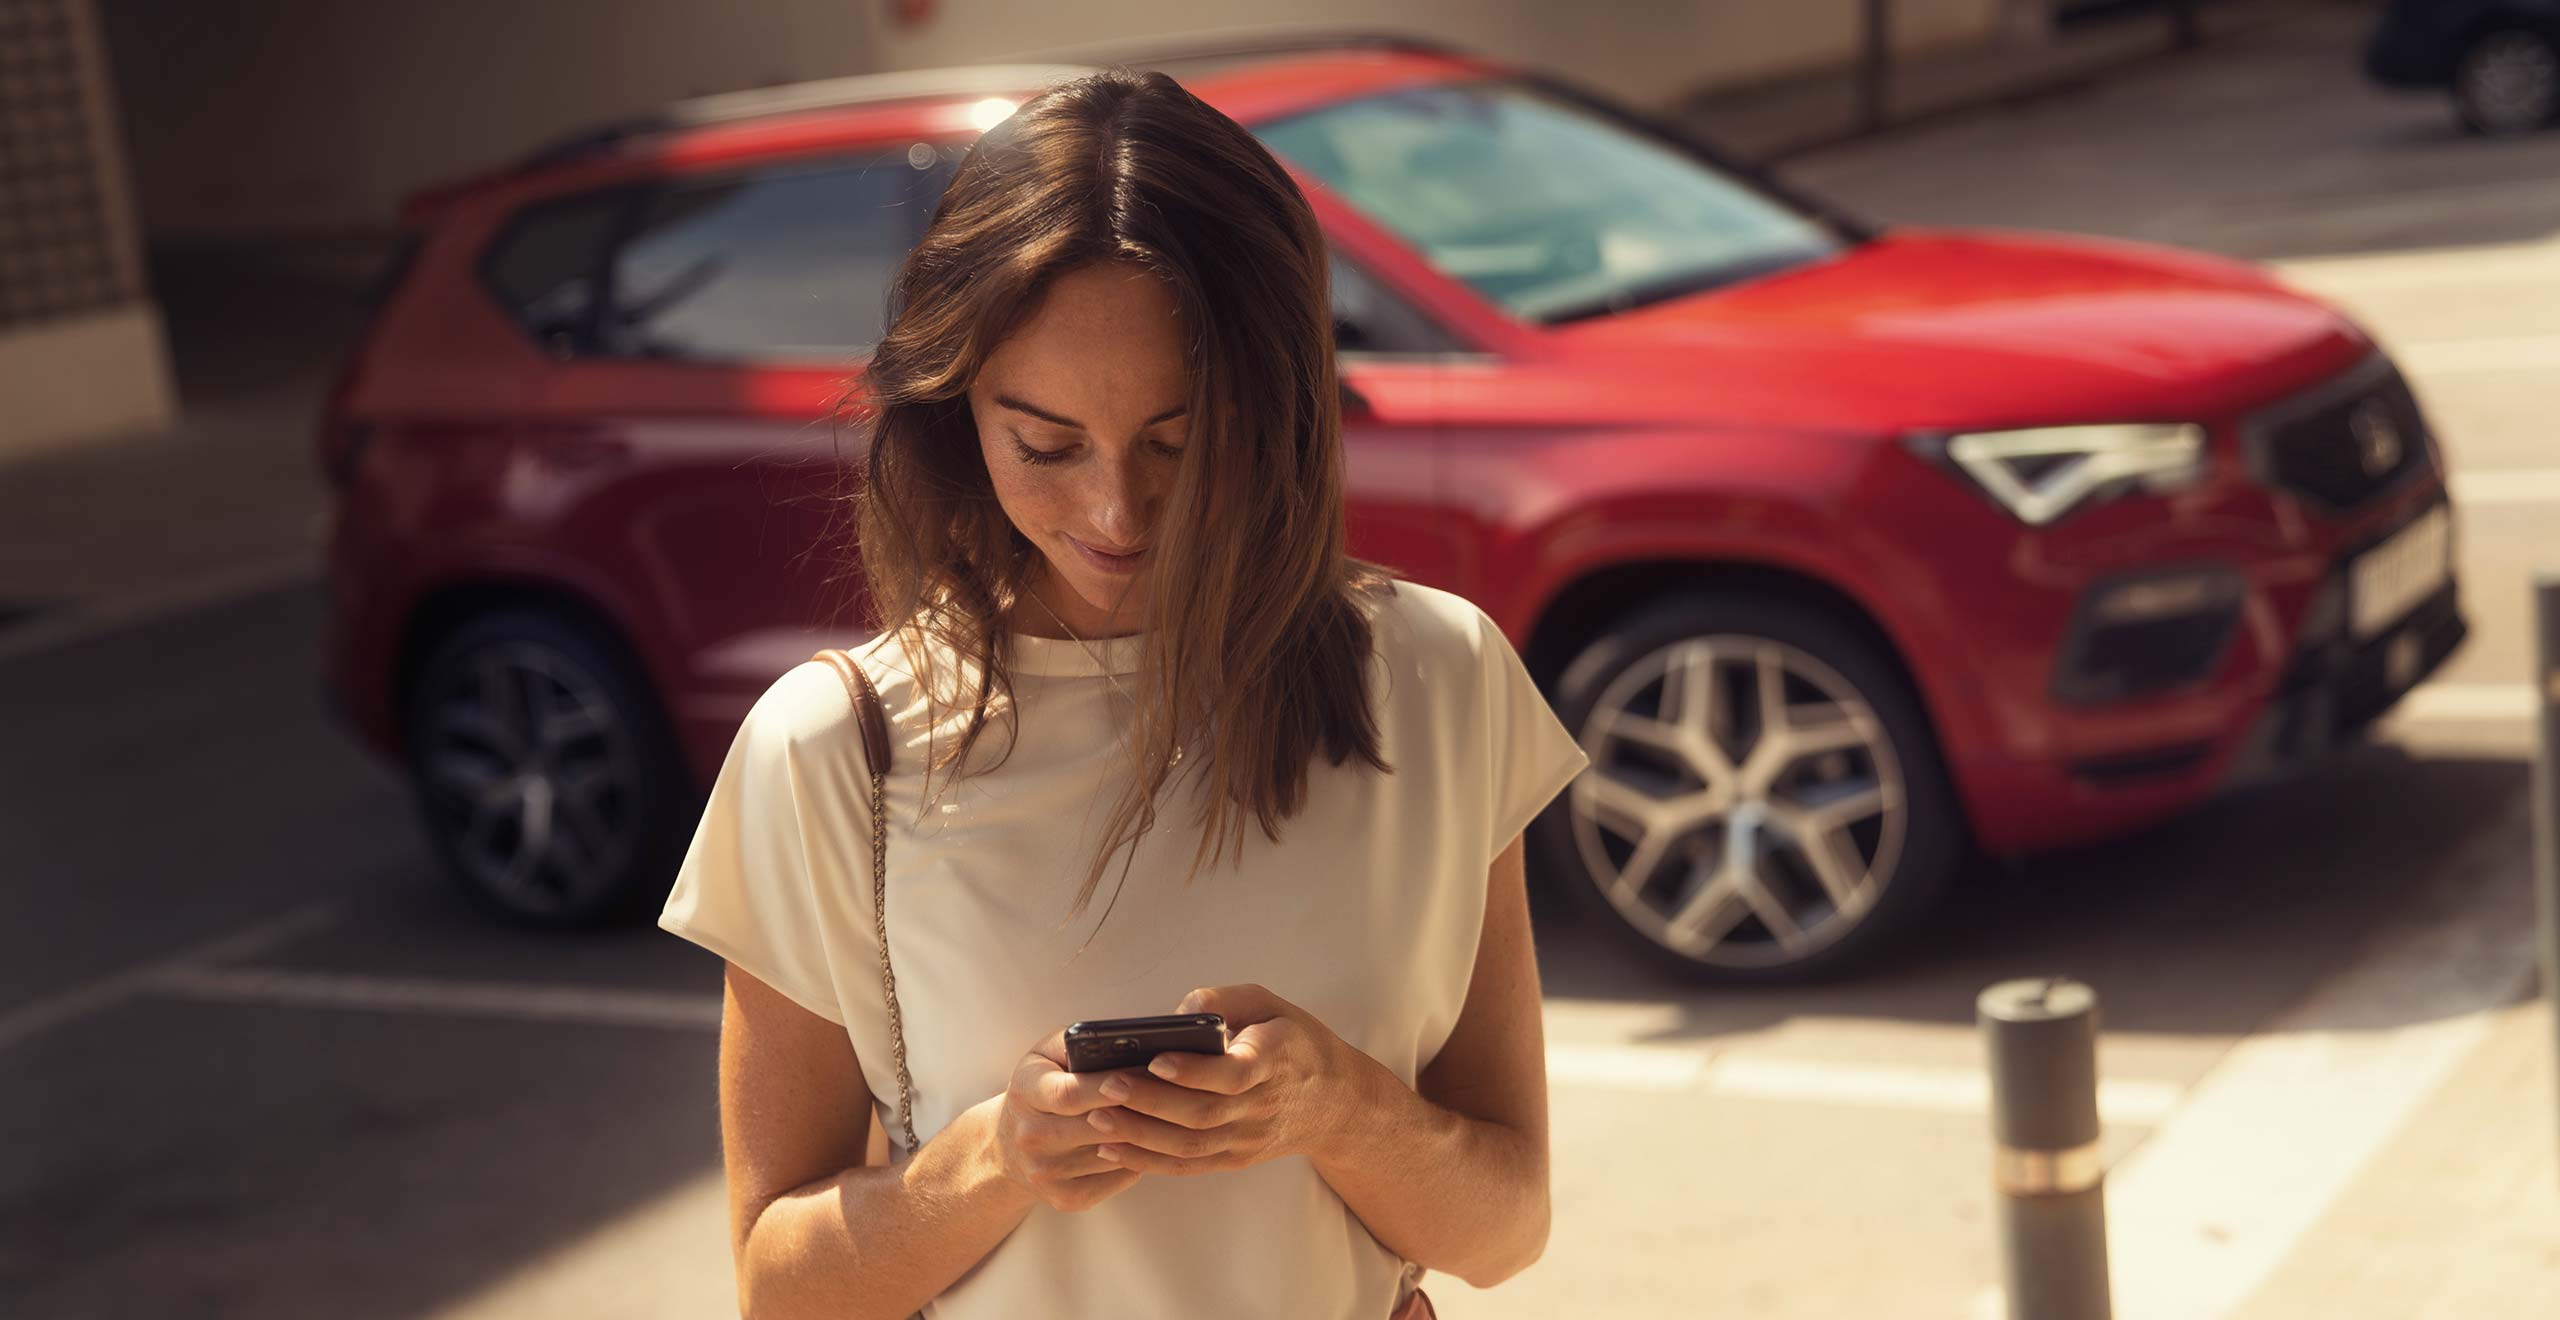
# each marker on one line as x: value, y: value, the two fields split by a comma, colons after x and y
x: 2042, y: 1036
x: 2546, y: 782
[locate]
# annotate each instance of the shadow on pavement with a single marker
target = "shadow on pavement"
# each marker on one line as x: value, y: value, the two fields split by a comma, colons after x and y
x: 2207, y: 924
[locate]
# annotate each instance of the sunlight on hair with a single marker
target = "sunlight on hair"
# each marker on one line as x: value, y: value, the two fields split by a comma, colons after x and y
x: 988, y: 113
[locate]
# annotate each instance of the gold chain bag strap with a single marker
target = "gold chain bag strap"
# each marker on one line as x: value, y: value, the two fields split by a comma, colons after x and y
x: 875, y: 746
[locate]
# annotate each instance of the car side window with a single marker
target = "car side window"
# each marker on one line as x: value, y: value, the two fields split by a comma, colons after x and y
x: 548, y: 264
x: 1369, y: 319
x: 787, y: 263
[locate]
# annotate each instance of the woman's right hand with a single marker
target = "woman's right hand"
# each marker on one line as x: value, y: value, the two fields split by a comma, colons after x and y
x: 1043, y: 1140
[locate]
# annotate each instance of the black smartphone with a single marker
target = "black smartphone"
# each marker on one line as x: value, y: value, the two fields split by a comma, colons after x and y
x: 1102, y: 1044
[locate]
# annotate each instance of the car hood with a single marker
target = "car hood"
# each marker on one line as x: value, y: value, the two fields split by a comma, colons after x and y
x: 1922, y: 329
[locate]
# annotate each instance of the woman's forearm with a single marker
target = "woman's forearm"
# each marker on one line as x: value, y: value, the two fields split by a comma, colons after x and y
x: 882, y: 1241
x: 1456, y: 1193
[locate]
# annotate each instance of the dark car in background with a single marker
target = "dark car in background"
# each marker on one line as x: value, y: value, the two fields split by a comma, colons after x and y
x: 2500, y: 59
x: 1845, y: 550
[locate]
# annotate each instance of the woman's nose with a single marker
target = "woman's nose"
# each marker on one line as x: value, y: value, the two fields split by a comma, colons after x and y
x: 1124, y: 508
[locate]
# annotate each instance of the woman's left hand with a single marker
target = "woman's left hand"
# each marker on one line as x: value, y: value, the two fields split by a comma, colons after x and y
x: 1285, y: 1086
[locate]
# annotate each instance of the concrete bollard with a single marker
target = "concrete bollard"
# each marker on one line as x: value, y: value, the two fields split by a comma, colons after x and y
x: 2546, y: 781
x: 2042, y: 1037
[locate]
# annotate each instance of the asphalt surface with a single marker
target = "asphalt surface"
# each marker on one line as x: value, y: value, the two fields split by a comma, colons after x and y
x: 261, y: 1063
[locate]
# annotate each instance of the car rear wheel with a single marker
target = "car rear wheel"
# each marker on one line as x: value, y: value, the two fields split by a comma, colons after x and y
x: 542, y: 771
x: 1765, y: 800
x: 2508, y: 81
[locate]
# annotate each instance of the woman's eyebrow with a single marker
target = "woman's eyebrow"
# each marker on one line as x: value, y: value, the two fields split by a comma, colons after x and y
x: 1055, y: 419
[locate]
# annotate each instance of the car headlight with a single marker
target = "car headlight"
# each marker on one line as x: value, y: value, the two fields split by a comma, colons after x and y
x: 2044, y: 472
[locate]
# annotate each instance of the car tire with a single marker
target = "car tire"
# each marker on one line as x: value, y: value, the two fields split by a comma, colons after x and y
x: 2507, y: 81
x: 543, y: 771
x: 1855, y: 735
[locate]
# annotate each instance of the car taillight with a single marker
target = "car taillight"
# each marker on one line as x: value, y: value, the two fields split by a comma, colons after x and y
x: 340, y: 445
x: 341, y: 441
x: 341, y: 448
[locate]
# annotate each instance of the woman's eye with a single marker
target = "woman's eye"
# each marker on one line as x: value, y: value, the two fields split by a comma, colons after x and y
x: 1169, y: 451
x: 1037, y: 456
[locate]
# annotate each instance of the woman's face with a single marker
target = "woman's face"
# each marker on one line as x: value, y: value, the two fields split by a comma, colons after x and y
x: 1082, y: 415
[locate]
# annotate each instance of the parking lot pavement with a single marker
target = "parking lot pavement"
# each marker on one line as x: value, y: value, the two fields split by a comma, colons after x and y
x: 226, y: 502
x: 282, y: 1074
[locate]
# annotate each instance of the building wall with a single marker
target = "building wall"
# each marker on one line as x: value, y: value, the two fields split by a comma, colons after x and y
x: 268, y: 117
x: 82, y: 352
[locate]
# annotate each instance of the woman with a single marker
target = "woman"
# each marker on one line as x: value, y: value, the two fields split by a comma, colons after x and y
x: 1102, y: 524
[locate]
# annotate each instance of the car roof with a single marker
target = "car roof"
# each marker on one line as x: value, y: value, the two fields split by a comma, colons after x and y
x: 1249, y: 76
x: 1199, y: 60
x: 860, y: 90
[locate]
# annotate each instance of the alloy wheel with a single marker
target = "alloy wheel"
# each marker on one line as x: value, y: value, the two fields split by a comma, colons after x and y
x: 531, y: 776
x: 1744, y: 806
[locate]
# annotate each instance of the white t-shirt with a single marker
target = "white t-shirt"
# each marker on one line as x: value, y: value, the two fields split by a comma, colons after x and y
x: 1366, y: 913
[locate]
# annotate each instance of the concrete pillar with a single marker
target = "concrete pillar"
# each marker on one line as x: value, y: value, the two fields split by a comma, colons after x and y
x: 82, y: 352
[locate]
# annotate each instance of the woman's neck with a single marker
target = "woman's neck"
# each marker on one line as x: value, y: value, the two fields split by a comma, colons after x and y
x: 1040, y: 613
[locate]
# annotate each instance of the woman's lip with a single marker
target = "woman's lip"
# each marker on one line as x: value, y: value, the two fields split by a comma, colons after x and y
x: 1108, y: 562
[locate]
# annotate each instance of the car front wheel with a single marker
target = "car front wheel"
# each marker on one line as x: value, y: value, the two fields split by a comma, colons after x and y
x: 1765, y: 800
x: 542, y: 774
x: 2508, y: 81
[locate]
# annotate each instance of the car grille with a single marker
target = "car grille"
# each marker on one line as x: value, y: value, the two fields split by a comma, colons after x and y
x: 2342, y: 446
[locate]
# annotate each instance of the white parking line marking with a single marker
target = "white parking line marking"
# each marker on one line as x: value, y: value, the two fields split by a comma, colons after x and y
x: 515, y: 1000
x: 2468, y: 702
x: 94, y: 618
x: 2456, y: 356
x: 44, y: 1014
x: 1947, y: 1090
x: 2206, y: 1208
x: 1599, y: 1066
x: 1625, y: 1067
x: 2510, y: 486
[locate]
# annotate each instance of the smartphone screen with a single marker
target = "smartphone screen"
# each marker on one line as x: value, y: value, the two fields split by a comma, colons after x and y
x: 1101, y: 1044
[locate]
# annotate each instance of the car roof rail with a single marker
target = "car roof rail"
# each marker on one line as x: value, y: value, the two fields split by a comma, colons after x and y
x: 1032, y: 69
x: 817, y: 94
x: 1249, y: 43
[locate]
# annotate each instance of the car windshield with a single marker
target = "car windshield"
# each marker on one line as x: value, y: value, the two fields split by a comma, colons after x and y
x: 1548, y: 208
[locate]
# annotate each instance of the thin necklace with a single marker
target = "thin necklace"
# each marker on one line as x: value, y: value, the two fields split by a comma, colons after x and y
x: 1090, y: 653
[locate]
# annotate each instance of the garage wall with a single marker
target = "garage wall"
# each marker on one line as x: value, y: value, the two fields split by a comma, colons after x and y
x: 266, y: 117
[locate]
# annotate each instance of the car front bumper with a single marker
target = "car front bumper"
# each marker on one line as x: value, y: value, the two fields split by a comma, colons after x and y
x: 2334, y: 690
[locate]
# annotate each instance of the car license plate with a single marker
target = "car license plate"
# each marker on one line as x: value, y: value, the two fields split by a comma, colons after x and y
x: 2388, y: 581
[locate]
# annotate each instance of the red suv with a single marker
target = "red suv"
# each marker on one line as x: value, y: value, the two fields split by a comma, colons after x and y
x: 1843, y: 549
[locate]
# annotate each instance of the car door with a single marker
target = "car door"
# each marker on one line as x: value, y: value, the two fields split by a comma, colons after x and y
x: 735, y: 307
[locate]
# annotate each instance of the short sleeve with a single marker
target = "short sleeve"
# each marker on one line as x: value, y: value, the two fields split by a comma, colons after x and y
x: 1533, y: 757
x: 745, y: 889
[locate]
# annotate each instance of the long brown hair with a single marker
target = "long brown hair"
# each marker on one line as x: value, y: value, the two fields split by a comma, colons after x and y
x: 1255, y: 649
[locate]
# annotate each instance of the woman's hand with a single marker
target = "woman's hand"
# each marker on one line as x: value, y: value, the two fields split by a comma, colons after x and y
x: 1042, y: 1139
x: 1285, y: 1086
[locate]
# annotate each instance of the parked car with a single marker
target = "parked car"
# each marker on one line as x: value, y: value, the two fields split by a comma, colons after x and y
x: 2499, y: 58
x: 1845, y: 550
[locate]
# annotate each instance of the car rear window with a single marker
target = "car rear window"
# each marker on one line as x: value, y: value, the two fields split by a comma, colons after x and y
x: 779, y: 264
x: 776, y: 265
